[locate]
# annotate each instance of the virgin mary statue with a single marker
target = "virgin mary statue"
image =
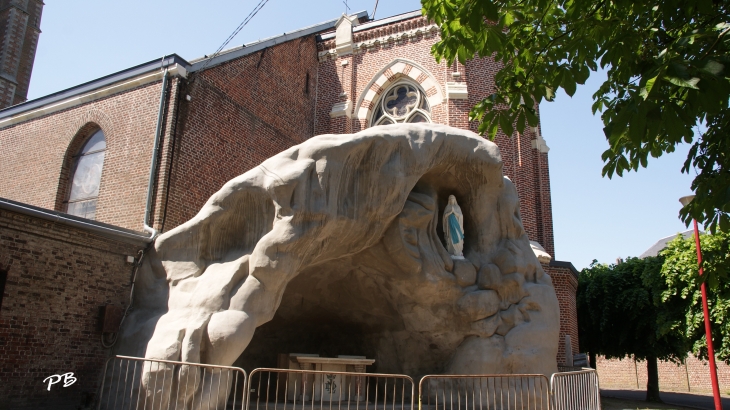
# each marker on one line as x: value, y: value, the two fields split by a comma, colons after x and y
x: 454, y: 228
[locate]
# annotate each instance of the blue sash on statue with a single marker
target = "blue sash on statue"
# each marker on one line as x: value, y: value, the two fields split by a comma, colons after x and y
x: 454, y: 229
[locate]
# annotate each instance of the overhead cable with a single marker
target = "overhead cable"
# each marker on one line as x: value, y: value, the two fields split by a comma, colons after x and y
x: 238, y: 29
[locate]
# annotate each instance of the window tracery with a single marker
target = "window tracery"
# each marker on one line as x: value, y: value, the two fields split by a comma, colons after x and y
x: 88, y: 164
x: 403, y: 102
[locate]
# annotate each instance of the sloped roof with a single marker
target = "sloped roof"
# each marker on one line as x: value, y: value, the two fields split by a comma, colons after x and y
x: 662, y: 243
x: 168, y: 61
x: 120, y: 76
x: 245, y: 49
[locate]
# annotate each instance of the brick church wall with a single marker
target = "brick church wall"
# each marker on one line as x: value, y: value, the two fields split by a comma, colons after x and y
x: 523, y: 164
x: 362, y: 67
x: 543, y: 203
x: 57, y: 278
x: 240, y: 113
x: 346, y: 77
x: 566, y: 284
x: 35, y: 155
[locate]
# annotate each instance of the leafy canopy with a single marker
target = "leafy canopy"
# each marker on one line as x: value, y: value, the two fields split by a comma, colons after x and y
x: 619, y: 311
x: 681, y: 283
x: 667, y: 62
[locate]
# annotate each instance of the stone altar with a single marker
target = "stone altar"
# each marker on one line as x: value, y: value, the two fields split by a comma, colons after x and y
x: 359, y: 213
x: 335, y: 387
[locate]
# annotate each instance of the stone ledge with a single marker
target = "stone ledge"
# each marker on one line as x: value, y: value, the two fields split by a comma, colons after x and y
x: 398, y: 38
x: 456, y: 91
x: 341, y: 109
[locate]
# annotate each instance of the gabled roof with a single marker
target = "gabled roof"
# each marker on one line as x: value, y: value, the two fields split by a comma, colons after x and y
x: 255, y: 46
x: 120, y: 76
x: 99, y: 228
x: 60, y: 98
x: 662, y: 243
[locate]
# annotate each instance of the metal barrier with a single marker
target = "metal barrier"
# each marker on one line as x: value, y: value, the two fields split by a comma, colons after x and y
x: 284, y: 389
x: 563, y: 368
x: 133, y: 383
x: 576, y: 390
x: 484, y: 392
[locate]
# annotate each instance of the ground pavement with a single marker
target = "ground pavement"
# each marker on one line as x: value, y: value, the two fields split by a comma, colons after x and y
x: 698, y: 401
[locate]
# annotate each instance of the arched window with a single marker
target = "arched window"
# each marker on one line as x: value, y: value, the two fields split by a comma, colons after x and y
x: 403, y: 102
x: 88, y: 164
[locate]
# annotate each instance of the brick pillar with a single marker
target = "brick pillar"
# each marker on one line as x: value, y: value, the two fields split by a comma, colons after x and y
x: 458, y: 114
x: 544, y: 207
x: 19, y: 31
x: 342, y: 110
x: 565, y: 281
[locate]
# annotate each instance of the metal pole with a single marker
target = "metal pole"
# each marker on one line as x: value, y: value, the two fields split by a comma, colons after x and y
x: 708, y: 330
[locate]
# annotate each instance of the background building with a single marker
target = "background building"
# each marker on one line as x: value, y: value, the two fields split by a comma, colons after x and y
x: 89, y: 172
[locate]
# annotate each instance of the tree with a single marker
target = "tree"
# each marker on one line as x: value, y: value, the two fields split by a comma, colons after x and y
x: 619, y: 311
x: 668, y: 65
x: 681, y: 282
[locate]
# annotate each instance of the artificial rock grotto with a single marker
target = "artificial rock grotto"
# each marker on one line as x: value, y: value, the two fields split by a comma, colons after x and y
x: 337, y: 243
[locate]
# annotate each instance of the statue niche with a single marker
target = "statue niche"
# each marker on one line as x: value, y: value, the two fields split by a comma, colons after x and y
x: 454, y: 228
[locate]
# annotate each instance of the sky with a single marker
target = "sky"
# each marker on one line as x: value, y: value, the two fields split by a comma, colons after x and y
x: 594, y: 217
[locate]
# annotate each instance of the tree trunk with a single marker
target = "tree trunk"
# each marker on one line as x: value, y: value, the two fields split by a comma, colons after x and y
x: 652, y: 383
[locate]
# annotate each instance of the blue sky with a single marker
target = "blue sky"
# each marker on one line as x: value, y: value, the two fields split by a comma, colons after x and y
x: 594, y: 217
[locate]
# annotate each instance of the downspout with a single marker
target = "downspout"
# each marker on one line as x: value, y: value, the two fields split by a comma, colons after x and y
x: 153, y: 166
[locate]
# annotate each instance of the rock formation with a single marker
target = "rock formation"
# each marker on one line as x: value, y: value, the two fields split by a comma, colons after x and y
x: 355, y: 220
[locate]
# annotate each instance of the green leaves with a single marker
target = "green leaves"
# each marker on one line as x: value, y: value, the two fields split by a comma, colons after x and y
x: 568, y: 83
x: 613, y: 320
x: 681, y: 287
x: 646, y: 91
x: 619, y: 311
x: 667, y: 73
x: 681, y: 82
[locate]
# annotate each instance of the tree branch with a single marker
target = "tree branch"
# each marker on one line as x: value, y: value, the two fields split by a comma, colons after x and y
x: 715, y: 43
x: 548, y: 45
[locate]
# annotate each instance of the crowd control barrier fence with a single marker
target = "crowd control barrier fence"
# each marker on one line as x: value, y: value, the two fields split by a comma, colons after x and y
x: 133, y: 383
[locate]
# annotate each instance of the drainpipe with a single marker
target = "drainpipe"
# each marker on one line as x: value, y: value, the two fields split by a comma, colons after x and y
x: 153, y: 166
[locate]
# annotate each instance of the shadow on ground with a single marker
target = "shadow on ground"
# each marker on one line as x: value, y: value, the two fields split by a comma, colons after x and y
x: 609, y: 403
x: 634, y: 399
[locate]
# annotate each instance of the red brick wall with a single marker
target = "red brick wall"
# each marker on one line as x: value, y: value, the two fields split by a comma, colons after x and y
x: 240, y: 113
x: 174, y: 97
x: 692, y: 376
x: 36, y: 154
x: 565, y: 284
x: 363, y: 66
x: 58, y: 277
x: 526, y: 166
x: 543, y: 203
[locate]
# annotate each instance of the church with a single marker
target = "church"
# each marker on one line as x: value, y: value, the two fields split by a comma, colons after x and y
x: 91, y: 174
